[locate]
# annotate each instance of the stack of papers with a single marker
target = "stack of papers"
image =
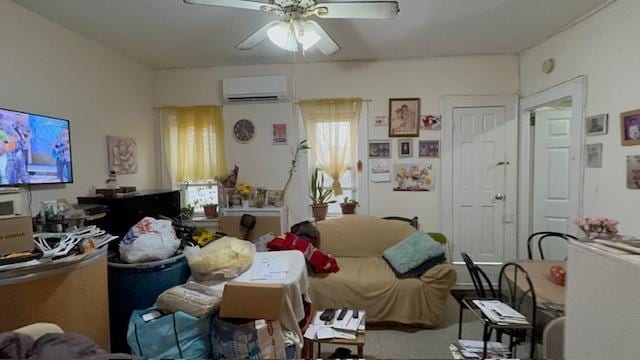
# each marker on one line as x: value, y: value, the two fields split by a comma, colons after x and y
x: 270, y: 269
x: 347, y: 328
x: 471, y: 349
x: 500, y: 313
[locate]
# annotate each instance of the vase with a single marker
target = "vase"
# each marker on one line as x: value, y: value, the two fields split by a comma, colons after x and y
x: 211, y: 211
x: 320, y: 211
x: 260, y: 197
x: 246, y: 203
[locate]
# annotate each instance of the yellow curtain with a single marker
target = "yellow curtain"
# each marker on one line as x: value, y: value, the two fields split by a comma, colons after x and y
x: 193, y: 139
x: 331, y: 126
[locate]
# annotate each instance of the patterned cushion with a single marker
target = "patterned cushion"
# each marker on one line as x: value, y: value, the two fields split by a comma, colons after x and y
x: 414, y: 255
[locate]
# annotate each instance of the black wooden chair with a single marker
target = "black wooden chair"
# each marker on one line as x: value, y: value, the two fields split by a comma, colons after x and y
x: 481, y: 283
x: 516, y: 290
x: 544, y: 235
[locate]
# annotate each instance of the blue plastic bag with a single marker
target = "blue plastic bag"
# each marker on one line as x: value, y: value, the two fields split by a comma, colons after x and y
x: 172, y: 336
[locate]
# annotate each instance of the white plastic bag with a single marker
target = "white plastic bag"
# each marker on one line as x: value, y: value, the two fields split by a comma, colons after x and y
x: 150, y: 239
x: 225, y: 258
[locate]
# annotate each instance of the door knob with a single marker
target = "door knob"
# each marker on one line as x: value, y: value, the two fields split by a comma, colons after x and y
x: 500, y: 196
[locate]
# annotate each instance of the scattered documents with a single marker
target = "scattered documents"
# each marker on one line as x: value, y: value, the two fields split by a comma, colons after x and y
x: 347, y: 328
x: 472, y: 349
x: 270, y: 269
x: 500, y: 313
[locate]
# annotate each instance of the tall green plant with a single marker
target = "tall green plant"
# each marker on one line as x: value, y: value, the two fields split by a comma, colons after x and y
x: 302, y: 147
x: 318, y: 194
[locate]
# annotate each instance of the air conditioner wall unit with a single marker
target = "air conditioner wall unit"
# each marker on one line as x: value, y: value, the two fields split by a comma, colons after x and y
x: 256, y: 89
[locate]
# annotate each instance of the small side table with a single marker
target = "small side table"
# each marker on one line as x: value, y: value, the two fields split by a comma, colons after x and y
x: 358, y: 342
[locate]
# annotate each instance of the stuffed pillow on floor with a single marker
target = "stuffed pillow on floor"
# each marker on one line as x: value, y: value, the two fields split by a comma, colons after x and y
x: 414, y: 255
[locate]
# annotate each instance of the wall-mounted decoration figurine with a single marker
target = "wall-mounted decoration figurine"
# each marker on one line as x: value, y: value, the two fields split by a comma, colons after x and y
x: 597, y: 125
x: 404, y: 117
x: 244, y: 131
x: 630, y: 127
x: 122, y: 154
x: 633, y: 172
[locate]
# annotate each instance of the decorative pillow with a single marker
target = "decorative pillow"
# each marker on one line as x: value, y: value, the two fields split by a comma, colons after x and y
x: 319, y: 261
x: 414, y: 255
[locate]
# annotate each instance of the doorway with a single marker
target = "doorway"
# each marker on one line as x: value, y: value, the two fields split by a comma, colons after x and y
x: 551, y: 156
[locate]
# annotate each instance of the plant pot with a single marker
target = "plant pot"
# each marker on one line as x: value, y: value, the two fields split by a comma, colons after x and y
x: 348, y: 209
x: 320, y: 211
x: 211, y: 211
x: 246, y: 203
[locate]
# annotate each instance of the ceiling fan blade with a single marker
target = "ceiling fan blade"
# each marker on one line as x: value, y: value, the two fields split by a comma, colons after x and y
x: 238, y: 4
x: 358, y: 10
x: 256, y: 38
x: 326, y: 45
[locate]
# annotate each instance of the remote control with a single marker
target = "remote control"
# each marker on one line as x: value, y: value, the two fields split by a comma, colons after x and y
x: 342, y: 314
x: 355, y: 314
x: 328, y: 315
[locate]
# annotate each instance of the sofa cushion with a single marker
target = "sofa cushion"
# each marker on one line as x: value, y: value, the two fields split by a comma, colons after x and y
x: 361, y: 236
x: 417, y: 251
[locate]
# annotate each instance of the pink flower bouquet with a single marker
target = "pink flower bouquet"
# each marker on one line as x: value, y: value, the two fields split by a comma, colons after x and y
x: 597, y: 227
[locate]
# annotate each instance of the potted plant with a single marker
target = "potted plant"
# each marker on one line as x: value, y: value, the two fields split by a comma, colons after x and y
x: 348, y: 206
x: 210, y: 211
x: 246, y: 192
x: 320, y: 197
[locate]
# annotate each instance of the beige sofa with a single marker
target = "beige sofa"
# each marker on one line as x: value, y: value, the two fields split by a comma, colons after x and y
x: 365, y: 280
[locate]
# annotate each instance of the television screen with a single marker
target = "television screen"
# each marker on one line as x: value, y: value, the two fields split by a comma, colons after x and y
x: 34, y: 149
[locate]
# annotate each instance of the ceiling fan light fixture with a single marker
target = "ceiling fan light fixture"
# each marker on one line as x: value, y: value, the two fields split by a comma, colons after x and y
x: 305, y: 34
x: 282, y: 36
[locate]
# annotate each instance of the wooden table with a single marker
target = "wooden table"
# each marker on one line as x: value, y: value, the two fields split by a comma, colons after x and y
x: 358, y: 342
x: 546, y: 291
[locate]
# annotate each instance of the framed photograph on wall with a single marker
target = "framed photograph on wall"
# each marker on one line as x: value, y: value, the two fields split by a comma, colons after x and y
x: 404, y: 117
x: 279, y: 134
x: 431, y: 122
x: 630, y: 127
x: 380, y: 121
x: 597, y: 125
x: 633, y: 172
x: 379, y: 149
x: 274, y: 198
x: 414, y: 177
x: 429, y: 148
x: 594, y: 155
x: 405, y: 148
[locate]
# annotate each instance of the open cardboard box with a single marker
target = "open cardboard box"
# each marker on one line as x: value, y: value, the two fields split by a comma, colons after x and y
x: 16, y: 234
x: 252, y: 301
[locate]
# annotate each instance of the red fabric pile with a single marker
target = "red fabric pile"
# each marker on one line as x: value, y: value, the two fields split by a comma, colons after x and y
x: 319, y: 261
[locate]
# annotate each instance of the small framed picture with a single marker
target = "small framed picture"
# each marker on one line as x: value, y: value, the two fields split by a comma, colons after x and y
x: 274, y: 198
x: 597, y: 125
x: 379, y: 149
x: 404, y: 117
x: 630, y: 127
x: 633, y: 172
x: 429, y: 148
x: 405, y: 148
x: 431, y: 122
x: 279, y: 134
x: 380, y: 121
x: 594, y: 155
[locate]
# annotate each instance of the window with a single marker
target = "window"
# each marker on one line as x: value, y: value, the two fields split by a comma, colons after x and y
x: 349, y: 190
x: 199, y: 193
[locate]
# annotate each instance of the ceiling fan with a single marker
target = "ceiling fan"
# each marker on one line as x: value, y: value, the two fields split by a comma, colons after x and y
x: 294, y: 29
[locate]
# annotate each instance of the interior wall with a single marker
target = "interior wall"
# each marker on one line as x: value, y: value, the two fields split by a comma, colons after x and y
x: 605, y: 48
x: 266, y: 165
x: 49, y: 70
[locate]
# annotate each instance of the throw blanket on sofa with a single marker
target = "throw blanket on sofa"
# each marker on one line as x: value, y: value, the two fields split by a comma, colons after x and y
x: 319, y: 261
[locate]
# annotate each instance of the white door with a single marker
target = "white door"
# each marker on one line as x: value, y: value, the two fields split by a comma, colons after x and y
x: 555, y: 176
x: 479, y: 172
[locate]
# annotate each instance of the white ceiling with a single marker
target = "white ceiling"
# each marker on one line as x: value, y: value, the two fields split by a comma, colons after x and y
x: 169, y: 33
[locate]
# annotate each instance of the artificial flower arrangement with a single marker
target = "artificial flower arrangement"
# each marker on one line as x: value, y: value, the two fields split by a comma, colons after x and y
x: 245, y: 190
x: 598, y: 227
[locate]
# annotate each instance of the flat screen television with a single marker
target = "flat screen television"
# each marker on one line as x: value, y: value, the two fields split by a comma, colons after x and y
x: 34, y: 149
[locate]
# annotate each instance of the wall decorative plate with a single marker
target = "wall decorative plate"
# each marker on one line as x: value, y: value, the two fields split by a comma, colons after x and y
x: 244, y: 131
x: 122, y: 154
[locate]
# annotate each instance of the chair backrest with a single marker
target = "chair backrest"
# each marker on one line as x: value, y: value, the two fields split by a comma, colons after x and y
x: 544, y: 235
x: 413, y: 222
x: 553, y: 339
x: 481, y: 281
x: 516, y: 290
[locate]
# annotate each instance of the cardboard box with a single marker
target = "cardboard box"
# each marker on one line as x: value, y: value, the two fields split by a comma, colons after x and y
x: 16, y: 234
x: 252, y: 301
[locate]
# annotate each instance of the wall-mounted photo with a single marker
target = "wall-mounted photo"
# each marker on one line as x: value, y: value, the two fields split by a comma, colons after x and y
x: 594, y: 155
x: 414, y: 177
x: 380, y: 121
x: 274, y: 198
x: 431, y: 122
x: 405, y: 148
x: 597, y: 125
x: 630, y: 127
x: 379, y: 149
x: 404, y: 117
x: 633, y: 172
x: 380, y: 171
x: 429, y: 148
x: 279, y: 134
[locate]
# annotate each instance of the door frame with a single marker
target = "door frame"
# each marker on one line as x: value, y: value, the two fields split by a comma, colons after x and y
x: 576, y: 90
x: 447, y: 106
